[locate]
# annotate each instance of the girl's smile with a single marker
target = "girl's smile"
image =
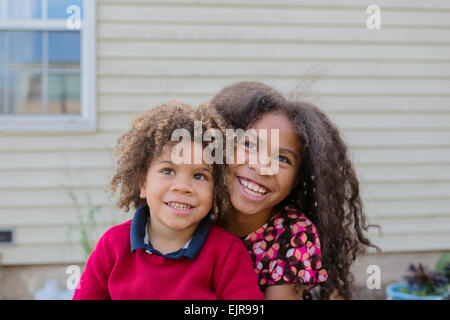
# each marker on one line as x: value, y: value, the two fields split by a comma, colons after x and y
x: 251, y: 191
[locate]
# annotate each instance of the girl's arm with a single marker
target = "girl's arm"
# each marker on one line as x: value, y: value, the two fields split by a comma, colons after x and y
x: 284, y: 292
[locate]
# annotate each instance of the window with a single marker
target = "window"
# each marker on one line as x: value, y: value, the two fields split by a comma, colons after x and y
x: 47, y: 65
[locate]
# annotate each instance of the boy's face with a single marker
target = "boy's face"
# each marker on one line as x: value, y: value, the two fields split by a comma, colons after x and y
x: 179, y: 195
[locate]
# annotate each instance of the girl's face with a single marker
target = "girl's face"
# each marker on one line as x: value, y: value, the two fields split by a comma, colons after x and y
x: 179, y: 196
x: 250, y: 191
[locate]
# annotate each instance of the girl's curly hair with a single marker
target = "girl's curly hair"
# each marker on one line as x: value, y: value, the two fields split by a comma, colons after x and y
x: 326, y: 188
x: 149, y: 133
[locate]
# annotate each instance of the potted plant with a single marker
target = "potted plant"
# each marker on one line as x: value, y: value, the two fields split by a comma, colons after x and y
x: 422, y: 283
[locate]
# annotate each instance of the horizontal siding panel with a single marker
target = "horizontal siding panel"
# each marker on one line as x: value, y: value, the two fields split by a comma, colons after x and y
x: 54, y: 235
x: 384, y: 104
x: 407, y: 138
x: 13, y: 179
x: 61, y: 215
x: 51, y: 197
x: 345, y: 121
x: 261, y: 15
x: 348, y: 4
x: 280, y: 69
x: 125, y: 104
x: 152, y: 49
x: 413, y: 242
x: 60, y: 142
x: 405, y: 190
x: 401, y: 155
x: 425, y: 224
x: 213, y: 32
x: 375, y: 173
x: 59, y: 160
x: 391, y: 121
x: 146, y: 85
x: 47, y: 254
x: 405, y: 208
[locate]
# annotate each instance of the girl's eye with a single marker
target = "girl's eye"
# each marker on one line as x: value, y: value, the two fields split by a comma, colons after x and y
x: 199, y: 176
x: 168, y: 171
x: 284, y: 159
x: 250, y: 145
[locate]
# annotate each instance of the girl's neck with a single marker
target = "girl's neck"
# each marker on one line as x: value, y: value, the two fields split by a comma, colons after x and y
x: 241, y: 224
x: 165, y: 240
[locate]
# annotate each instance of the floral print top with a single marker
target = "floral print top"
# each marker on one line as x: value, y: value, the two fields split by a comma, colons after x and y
x: 286, y: 250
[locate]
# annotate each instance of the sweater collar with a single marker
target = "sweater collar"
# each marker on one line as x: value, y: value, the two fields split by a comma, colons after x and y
x: 139, y: 236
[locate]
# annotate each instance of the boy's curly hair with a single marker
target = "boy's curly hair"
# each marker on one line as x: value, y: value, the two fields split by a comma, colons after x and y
x: 149, y: 133
x: 326, y: 188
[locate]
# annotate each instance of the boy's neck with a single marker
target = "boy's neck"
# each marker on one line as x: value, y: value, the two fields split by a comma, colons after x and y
x: 241, y: 224
x: 166, y: 240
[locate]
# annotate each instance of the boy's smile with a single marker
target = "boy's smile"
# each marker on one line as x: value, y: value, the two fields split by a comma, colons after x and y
x: 179, y: 196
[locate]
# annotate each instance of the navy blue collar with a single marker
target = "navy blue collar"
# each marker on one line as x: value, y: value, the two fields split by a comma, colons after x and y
x: 138, y: 232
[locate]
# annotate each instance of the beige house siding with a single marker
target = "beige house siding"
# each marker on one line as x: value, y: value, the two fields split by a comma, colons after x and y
x: 388, y: 90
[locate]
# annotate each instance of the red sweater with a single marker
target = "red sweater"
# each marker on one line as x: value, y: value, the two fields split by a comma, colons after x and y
x: 222, y: 270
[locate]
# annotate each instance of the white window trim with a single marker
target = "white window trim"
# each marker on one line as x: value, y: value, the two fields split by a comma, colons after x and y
x: 85, y: 122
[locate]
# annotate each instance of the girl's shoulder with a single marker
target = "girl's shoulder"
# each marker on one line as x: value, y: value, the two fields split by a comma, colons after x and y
x: 297, y: 221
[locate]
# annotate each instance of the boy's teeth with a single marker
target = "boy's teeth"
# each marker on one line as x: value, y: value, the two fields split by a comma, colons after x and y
x: 178, y: 205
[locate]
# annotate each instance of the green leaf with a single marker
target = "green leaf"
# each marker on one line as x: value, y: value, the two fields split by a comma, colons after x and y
x: 443, y: 262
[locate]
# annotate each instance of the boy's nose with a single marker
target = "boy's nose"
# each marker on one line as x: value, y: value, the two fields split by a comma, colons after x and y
x: 181, y: 185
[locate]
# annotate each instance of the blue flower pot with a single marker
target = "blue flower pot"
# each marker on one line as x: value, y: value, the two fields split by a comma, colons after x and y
x: 393, y: 293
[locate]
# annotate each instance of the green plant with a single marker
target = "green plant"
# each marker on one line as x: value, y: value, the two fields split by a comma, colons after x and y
x: 423, y: 282
x: 87, y: 223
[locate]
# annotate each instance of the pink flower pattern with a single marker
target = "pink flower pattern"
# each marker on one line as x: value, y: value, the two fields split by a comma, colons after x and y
x: 286, y: 250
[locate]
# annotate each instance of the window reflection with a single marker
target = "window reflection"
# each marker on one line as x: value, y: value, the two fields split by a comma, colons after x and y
x: 64, y: 94
x: 25, y: 93
x: 24, y: 9
x: 64, y: 49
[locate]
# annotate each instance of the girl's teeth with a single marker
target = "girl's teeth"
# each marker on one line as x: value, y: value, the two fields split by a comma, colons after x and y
x: 251, y: 188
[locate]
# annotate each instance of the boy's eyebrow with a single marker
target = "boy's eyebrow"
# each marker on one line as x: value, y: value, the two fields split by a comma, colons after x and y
x: 203, y: 168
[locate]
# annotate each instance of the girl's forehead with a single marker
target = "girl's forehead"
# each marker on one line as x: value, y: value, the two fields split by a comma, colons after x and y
x: 283, y: 126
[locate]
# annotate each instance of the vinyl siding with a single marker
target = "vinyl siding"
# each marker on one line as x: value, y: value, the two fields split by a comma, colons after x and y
x: 388, y: 90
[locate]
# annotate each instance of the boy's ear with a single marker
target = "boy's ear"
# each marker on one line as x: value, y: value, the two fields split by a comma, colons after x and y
x: 142, y: 187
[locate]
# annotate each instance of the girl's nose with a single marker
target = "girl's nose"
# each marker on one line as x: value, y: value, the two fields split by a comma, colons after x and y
x: 262, y: 169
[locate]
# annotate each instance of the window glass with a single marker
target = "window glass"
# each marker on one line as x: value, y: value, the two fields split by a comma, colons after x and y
x: 57, y: 9
x: 24, y: 92
x: 24, y: 49
x: 24, y: 9
x: 64, y: 49
x: 64, y: 93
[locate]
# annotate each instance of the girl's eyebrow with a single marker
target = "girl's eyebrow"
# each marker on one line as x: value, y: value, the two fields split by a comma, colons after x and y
x: 281, y: 150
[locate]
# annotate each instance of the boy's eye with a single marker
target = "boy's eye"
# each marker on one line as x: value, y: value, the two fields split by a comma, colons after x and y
x: 168, y: 171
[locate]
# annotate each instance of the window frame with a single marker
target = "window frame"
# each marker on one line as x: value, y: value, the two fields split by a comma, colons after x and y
x: 86, y: 120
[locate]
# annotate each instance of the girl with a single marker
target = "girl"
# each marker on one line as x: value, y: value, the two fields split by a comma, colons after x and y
x: 169, y: 250
x: 304, y: 224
